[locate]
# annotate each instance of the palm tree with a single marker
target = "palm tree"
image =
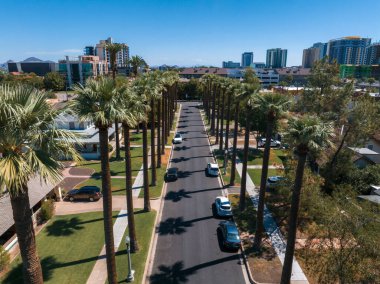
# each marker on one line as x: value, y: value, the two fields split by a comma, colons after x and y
x: 113, y: 49
x: 136, y: 62
x: 99, y: 102
x: 134, y: 111
x: 229, y: 102
x: 223, y: 87
x: 308, y: 134
x: 273, y: 106
x: 31, y: 146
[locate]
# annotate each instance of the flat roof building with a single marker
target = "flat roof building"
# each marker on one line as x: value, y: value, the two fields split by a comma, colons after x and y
x: 33, y: 65
x: 348, y: 50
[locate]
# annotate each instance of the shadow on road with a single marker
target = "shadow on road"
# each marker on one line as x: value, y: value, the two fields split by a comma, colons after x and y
x: 176, y: 196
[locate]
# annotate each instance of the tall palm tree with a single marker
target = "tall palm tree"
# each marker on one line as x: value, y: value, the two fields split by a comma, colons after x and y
x: 136, y: 62
x: 30, y: 145
x: 133, y: 111
x: 308, y: 134
x: 230, y: 88
x: 272, y: 106
x: 113, y: 49
x: 99, y: 102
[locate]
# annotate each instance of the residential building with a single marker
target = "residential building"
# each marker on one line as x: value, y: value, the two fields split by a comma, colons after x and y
x: 373, y: 54
x: 89, y: 50
x: 258, y: 65
x: 122, y: 56
x: 78, y: 69
x: 276, y: 58
x: 230, y: 64
x: 310, y: 55
x: 348, y: 50
x: 199, y: 72
x: 322, y: 46
x: 32, y: 65
x: 246, y: 59
x: 267, y: 77
x: 364, y: 157
x: 298, y: 75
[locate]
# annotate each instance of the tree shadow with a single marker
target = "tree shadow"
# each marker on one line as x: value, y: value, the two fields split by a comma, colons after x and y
x: 184, y: 174
x: 176, y: 196
x: 178, y: 160
x: 173, y: 226
x: 64, y: 227
x: 179, y: 148
x: 181, y: 126
x: 174, y: 274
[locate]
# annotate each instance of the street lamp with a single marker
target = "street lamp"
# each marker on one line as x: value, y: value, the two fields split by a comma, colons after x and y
x: 131, y: 272
x: 225, y: 160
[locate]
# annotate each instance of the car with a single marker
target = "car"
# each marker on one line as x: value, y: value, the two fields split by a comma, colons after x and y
x: 212, y: 170
x: 91, y: 193
x: 230, y: 235
x: 223, y: 206
x: 177, y: 139
x: 274, y: 181
x: 273, y: 143
x: 172, y: 174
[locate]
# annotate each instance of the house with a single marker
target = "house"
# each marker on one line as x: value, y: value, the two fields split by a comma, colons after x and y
x: 88, y: 134
x: 364, y: 157
x: 374, y: 143
x: 374, y: 196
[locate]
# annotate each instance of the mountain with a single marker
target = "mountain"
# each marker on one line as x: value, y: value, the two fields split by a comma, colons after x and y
x: 32, y: 59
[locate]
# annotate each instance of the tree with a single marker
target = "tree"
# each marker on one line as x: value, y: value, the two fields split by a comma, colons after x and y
x: 307, y: 134
x: 250, y: 77
x: 136, y: 62
x: 30, y: 145
x: 54, y: 81
x: 273, y: 107
x: 99, y: 102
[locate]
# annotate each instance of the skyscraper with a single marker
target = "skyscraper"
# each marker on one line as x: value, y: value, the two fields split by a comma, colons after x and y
x: 348, y: 50
x: 276, y: 58
x: 122, y: 56
x: 246, y: 59
x: 322, y: 46
x: 373, y: 54
x: 314, y: 53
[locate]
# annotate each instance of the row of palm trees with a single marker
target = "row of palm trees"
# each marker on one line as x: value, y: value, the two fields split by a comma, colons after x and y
x: 306, y: 133
x: 31, y: 145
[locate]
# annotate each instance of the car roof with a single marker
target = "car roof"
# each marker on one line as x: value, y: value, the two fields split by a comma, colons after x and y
x: 223, y: 199
x: 231, y: 228
x: 171, y: 170
x: 212, y: 165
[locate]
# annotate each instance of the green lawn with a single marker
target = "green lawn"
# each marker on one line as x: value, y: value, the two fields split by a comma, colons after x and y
x: 155, y: 191
x: 144, y: 227
x: 117, y: 184
x: 136, y: 138
x: 68, y: 248
x: 255, y: 156
x: 226, y: 177
x: 255, y: 174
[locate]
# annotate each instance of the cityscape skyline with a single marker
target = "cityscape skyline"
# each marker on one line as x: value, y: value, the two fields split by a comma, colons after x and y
x: 165, y: 37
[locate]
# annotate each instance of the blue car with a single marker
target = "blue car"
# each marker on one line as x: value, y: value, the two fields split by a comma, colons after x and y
x: 230, y: 235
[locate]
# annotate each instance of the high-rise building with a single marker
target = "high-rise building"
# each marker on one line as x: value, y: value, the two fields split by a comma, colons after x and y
x: 122, y: 56
x: 372, y: 55
x: 348, y: 50
x: 89, y: 50
x: 276, y: 58
x: 230, y: 64
x: 322, y: 46
x: 246, y: 59
x: 310, y: 55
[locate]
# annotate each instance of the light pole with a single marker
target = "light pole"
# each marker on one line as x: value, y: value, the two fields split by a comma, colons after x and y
x: 225, y: 160
x: 131, y: 272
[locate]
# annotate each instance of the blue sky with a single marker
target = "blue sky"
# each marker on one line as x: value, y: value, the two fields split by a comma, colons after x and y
x: 182, y: 32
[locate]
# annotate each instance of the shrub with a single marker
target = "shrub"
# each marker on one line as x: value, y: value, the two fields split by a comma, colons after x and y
x: 4, y: 259
x: 47, y: 210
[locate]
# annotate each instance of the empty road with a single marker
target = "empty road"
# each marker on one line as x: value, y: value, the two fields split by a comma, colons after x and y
x: 187, y: 248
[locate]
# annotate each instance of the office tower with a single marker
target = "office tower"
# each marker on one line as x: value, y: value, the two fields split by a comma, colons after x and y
x: 276, y: 58
x: 89, y: 50
x: 322, y: 46
x: 373, y: 54
x: 230, y: 64
x: 310, y: 55
x: 122, y: 56
x: 348, y: 50
x: 246, y: 59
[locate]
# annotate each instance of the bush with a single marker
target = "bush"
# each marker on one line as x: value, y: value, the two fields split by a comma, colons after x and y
x: 4, y: 259
x: 47, y: 210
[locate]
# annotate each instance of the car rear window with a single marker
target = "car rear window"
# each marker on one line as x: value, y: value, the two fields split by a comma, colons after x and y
x: 226, y: 207
x: 232, y: 236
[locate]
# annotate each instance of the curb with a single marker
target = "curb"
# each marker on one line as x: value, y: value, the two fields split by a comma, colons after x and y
x: 153, y: 242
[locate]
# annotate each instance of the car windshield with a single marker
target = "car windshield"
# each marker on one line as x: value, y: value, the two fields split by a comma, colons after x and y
x: 178, y: 136
x: 172, y: 171
x: 232, y: 236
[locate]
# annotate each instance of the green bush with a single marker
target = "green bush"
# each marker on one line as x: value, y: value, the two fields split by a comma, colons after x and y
x: 4, y: 259
x: 47, y: 210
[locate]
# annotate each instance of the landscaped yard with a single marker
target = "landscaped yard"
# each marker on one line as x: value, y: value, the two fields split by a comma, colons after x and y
x: 144, y: 228
x: 226, y: 177
x: 255, y: 156
x: 255, y: 174
x: 117, y: 184
x: 68, y: 248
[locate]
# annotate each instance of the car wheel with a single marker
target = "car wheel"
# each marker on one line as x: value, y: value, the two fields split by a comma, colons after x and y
x: 71, y: 198
x: 92, y: 199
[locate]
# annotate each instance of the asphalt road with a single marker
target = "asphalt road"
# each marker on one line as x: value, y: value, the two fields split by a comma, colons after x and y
x: 188, y: 249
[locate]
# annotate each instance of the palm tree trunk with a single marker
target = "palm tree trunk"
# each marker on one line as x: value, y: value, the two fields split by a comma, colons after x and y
x: 22, y: 216
x: 217, y: 122
x: 292, y: 229
x: 264, y: 176
x: 228, y: 121
x: 159, y: 134
x: 243, y: 187
x: 152, y: 143
x: 128, y: 186
x: 163, y: 125
x: 117, y: 139
x: 213, y: 112
x: 107, y: 205
x: 221, y: 124
x: 233, y: 160
x: 145, y: 169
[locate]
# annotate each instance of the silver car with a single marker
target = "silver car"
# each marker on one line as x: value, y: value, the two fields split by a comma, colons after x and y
x: 223, y: 206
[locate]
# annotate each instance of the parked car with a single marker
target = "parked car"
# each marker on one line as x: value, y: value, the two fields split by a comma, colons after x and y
x: 212, y: 170
x: 223, y: 206
x: 91, y: 193
x: 177, y: 139
x: 273, y: 143
x: 172, y: 174
x: 230, y: 235
x: 274, y: 181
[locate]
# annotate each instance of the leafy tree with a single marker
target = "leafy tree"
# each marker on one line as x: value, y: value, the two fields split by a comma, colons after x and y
x: 250, y: 77
x: 136, y: 62
x: 30, y: 145
x: 54, y: 81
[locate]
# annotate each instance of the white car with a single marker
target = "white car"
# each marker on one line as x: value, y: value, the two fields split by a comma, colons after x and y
x: 273, y: 143
x: 223, y: 206
x: 212, y: 169
x: 177, y: 139
x: 274, y: 181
